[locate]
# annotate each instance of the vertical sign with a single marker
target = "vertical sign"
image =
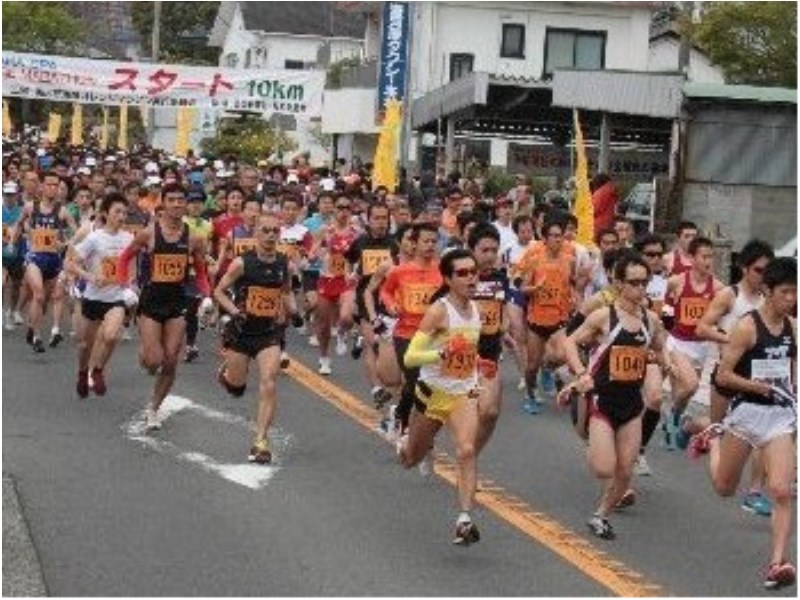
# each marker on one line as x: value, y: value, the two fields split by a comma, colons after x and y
x: 394, y: 53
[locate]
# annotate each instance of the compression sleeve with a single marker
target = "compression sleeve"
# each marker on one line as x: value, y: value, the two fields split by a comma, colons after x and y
x: 419, y: 352
x: 201, y: 272
x: 123, y: 264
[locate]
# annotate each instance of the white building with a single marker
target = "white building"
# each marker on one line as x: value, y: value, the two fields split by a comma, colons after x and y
x: 288, y: 35
x: 665, y: 42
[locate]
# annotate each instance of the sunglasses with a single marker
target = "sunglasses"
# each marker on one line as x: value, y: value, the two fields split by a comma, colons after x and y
x: 343, y: 207
x: 465, y: 272
x: 637, y: 282
x: 653, y: 254
x: 758, y: 270
x: 275, y: 230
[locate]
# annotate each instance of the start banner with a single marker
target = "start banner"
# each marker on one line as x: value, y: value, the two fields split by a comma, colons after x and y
x: 88, y: 81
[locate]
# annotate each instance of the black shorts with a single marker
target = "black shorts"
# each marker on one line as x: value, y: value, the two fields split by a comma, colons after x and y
x: 545, y: 332
x: 724, y: 392
x: 161, y: 313
x: 15, y: 267
x: 309, y: 281
x: 490, y: 347
x: 616, y: 411
x: 252, y: 345
x: 95, y: 310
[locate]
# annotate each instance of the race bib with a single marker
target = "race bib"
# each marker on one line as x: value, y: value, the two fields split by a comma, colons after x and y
x: 6, y: 234
x: 44, y: 240
x: 245, y: 245
x: 371, y: 260
x: 169, y: 268
x: 263, y: 302
x: 417, y: 297
x: 460, y: 365
x: 627, y: 364
x: 108, y: 268
x: 548, y: 295
x: 773, y: 371
x: 491, y: 316
x: 338, y: 265
x: 692, y: 310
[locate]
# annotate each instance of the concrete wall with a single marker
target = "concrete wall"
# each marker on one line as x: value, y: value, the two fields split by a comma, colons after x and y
x: 444, y: 28
x: 743, y: 211
x: 349, y: 110
x: 663, y: 56
x: 362, y: 146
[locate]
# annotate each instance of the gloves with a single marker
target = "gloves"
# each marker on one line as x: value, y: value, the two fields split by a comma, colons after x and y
x: 130, y: 298
x: 206, y: 306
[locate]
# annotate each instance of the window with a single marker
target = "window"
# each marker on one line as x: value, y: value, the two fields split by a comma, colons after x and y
x: 460, y: 65
x: 574, y: 49
x: 513, y: 45
x: 297, y: 65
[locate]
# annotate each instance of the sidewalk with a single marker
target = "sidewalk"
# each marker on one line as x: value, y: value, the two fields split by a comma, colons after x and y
x: 22, y: 573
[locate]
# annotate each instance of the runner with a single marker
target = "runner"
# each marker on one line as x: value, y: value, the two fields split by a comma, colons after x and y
x: 94, y: 259
x: 680, y: 259
x: 264, y: 298
x: 758, y: 365
x: 367, y: 254
x: 445, y: 349
x: 44, y: 222
x: 310, y: 265
x: 628, y: 336
x: 199, y: 228
x: 163, y: 301
x: 518, y: 304
x: 13, y: 258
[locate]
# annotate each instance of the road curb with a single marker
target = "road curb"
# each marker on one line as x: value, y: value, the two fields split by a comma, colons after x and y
x: 22, y: 571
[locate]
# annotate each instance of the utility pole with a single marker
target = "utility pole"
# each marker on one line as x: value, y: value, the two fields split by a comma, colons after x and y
x: 156, y: 48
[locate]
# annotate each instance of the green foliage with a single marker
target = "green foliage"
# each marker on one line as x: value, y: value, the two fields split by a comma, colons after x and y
x: 184, y: 30
x: 333, y: 79
x: 755, y: 43
x: 498, y: 182
x: 45, y: 27
x: 250, y: 139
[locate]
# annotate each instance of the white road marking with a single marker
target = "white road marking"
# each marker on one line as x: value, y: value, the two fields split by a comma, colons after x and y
x: 248, y: 475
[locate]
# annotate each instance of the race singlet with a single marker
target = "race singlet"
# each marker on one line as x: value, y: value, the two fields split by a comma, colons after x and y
x: 691, y: 310
x: 460, y: 365
x: 491, y: 316
x: 417, y: 297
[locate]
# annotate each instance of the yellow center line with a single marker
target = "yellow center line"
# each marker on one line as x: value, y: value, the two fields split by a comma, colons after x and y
x: 574, y: 549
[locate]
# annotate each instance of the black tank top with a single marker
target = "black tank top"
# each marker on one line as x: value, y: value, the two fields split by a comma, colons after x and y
x: 620, y: 365
x: 169, y: 267
x: 770, y: 360
x: 490, y: 296
x: 45, y: 229
x: 259, y: 291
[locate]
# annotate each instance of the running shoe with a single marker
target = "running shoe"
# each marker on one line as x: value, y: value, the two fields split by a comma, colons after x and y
x: 55, y: 338
x: 628, y: 499
x: 700, y: 443
x: 531, y: 406
x: 547, y: 382
x: 313, y: 341
x: 260, y: 452
x: 522, y: 384
x: 757, y: 503
x: 642, y: 468
x: 358, y: 347
x: 600, y: 527
x: 192, y: 352
x: 466, y: 533
x: 325, y: 366
x: 285, y: 360
x: 38, y: 345
x: 18, y: 318
x: 29, y: 337
x: 341, y: 345
x: 8, y: 321
x: 82, y: 387
x: 98, y: 382
x: 151, y: 420
x: 425, y: 466
x: 381, y: 397
x: 779, y: 575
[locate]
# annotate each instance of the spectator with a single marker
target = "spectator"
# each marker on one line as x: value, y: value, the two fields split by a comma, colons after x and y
x: 604, y: 200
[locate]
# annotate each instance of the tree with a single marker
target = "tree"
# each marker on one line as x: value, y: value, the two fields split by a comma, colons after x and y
x: 754, y: 42
x: 184, y: 30
x: 43, y: 27
x: 249, y: 138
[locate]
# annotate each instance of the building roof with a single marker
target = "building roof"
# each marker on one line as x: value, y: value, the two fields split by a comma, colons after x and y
x: 324, y: 19
x: 764, y: 95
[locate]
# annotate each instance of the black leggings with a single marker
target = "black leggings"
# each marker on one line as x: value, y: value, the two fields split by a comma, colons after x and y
x: 192, y: 321
x: 410, y: 376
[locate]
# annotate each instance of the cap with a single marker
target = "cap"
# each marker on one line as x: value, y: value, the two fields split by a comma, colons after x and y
x: 328, y: 184
x: 84, y: 171
x: 222, y: 174
x: 110, y: 159
x: 151, y: 167
x: 219, y: 165
x: 195, y: 193
x: 195, y: 177
x: 152, y: 181
x: 292, y: 178
x: 90, y: 161
x: 262, y: 163
x: 201, y: 162
x: 10, y: 187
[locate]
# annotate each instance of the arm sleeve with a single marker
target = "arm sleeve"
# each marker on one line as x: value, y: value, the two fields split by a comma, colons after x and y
x: 202, y: 277
x: 419, y: 352
x: 123, y: 271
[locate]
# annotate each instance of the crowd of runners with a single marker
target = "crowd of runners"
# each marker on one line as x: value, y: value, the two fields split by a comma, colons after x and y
x: 431, y: 288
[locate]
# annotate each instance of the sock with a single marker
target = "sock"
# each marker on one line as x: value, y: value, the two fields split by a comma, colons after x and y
x: 650, y: 421
x: 55, y: 330
x: 463, y: 517
x: 530, y: 383
x: 376, y: 389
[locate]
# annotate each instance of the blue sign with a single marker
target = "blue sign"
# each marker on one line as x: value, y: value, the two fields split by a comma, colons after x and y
x: 394, y: 53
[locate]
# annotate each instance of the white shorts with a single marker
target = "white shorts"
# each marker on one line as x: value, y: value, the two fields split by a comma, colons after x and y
x: 758, y: 424
x: 696, y: 352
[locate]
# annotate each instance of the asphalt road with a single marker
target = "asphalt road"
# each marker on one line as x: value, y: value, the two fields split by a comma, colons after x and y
x: 114, y: 512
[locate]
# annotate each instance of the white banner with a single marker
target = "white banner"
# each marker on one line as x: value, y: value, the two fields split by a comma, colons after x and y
x: 88, y: 81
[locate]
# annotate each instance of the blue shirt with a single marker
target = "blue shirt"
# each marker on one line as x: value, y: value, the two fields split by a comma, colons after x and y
x: 10, y: 218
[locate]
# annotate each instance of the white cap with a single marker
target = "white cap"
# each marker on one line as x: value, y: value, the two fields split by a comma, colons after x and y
x: 219, y: 165
x: 152, y: 180
x: 201, y: 162
x: 10, y: 187
x: 84, y: 171
x: 111, y: 159
x: 40, y: 152
x: 327, y: 184
x: 292, y: 178
x: 151, y: 167
x: 90, y: 161
x: 222, y: 174
x: 181, y: 162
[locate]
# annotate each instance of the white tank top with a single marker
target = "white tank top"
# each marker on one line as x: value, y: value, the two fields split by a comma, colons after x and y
x: 458, y: 374
x: 657, y: 292
x: 741, y: 306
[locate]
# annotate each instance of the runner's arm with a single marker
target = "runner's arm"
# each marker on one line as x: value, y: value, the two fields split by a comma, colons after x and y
x: 198, y: 245
x: 742, y: 338
x: 585, y: 335
x: 141, y: 241
x: 388, y: 293
x: 231, y: 276
x: 719, y: 307
x: 419, y: 351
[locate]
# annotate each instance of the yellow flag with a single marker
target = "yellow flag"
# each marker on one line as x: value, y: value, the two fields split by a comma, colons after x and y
x: 185, y: 122
x: 104, y: 130
x: 583, y: 208
x: 386, y: 152
x: 7, y: 127
x: 54, y: 127
x: 122, y: 137
x: 77, y: 124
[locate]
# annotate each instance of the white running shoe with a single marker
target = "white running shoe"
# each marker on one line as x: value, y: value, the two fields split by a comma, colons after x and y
x: 426, y: 465
x: 9, y: 321
x: 341, y: 345
x: 313, y: 341
x: 325, y: 366
x: 641, y: 468
x: 18, y: 319
x: 151, y: 420
x: 522, y: 384
x: 126, y: 335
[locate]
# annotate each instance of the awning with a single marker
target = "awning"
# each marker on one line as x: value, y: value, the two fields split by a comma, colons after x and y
x: 450, y: 98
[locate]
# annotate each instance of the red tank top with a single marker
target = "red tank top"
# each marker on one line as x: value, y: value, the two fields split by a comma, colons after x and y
x: 690, y: 308
x: 679, y: 267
